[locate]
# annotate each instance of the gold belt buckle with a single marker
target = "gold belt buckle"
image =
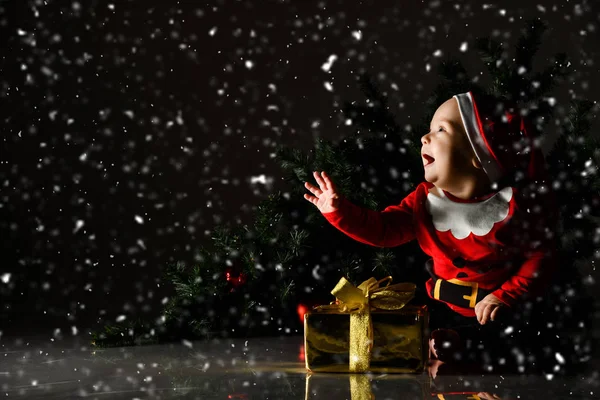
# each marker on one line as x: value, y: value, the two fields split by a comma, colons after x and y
x: 471, y: 298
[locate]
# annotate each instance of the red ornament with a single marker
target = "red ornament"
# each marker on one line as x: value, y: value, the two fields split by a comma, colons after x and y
x: 235, y: 278
x: 301, y: 310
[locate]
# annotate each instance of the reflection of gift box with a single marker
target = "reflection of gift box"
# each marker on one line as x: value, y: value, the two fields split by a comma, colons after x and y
x: 365, y: 387
x: 462, y: 396
x: 374, y: 338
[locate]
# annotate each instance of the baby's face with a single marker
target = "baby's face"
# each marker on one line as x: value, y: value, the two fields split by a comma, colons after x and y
x: 446, y: 152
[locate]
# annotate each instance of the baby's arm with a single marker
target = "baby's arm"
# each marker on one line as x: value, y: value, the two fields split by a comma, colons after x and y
x: 388, y: 228
x: 530, y: 279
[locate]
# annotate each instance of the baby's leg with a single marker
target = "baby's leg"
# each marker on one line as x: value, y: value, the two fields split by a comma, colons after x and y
x: 449, y: 333
x: 456, y: 339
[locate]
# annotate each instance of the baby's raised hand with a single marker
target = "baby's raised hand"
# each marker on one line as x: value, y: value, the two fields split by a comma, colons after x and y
x: 325, y: 196
x: 487, y: 308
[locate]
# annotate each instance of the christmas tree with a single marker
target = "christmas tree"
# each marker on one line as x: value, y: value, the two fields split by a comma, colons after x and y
x: 259, y: 279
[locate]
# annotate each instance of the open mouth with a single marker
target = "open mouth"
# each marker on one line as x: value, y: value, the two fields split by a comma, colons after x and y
x: 427, y: 160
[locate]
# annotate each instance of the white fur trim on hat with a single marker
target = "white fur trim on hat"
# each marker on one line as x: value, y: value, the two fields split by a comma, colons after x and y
x: 474, y: 129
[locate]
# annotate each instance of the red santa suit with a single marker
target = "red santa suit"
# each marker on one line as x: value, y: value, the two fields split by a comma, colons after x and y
x: 494, y: 244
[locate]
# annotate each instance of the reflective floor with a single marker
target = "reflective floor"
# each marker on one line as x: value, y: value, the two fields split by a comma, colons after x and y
x: 259, y: 368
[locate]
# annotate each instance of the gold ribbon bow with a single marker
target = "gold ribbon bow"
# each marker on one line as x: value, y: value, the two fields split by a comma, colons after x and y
x: 359, y: 301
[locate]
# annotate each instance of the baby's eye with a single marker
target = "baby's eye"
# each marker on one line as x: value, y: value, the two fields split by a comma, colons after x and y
x: 441, y: 128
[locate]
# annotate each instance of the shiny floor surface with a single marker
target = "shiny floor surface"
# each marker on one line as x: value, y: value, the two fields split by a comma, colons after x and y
x: 257, y: 368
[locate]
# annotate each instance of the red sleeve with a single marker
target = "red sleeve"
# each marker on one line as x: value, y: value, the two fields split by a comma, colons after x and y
x: 388, y: 228
x: 530, y: 279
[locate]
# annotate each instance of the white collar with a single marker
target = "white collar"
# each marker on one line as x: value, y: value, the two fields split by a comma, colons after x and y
x: 462, y: 219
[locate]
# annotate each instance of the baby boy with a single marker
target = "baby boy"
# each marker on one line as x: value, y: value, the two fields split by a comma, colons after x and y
x: 486, y: 235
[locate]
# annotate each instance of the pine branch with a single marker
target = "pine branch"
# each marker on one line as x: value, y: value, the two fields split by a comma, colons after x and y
x: 297, y: 241
x: 384, y: 261
x: 286, y: 290
x: 550, y: 76
x: 293, y: 162
x: 576, y: 140
x: 372, y: 91
x: 324, y: 154
x: 492, y: 54
x: 201, y: 327
x: 529, y: 43
x: 283, y: 256
x: 579, y: 116
x: 224, y: 239
x: 454, y: 79
x: 350, y: 266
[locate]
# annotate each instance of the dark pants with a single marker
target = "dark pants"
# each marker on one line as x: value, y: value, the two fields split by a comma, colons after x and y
x: 520, y: 341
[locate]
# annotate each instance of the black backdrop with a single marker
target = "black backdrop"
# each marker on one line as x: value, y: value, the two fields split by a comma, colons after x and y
x: 131, y: 128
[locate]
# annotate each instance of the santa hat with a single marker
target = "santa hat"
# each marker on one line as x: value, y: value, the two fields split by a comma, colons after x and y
x: 500, y: 137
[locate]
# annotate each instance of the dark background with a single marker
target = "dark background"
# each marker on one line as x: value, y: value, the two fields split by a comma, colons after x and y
x: 130, y: 129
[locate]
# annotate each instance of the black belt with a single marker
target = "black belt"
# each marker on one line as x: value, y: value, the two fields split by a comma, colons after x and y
x: 457, y: 292
x: 454, y: 291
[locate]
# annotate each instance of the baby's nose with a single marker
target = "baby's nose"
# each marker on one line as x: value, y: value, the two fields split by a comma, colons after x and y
x: 425, y: 138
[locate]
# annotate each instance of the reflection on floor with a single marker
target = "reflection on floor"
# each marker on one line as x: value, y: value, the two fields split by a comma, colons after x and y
x: 257, y: 368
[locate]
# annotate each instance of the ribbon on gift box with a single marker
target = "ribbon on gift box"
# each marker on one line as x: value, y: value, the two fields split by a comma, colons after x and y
x: 359, y: 301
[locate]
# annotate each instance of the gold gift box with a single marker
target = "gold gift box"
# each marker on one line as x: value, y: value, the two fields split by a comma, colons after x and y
x: 399, y: 340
